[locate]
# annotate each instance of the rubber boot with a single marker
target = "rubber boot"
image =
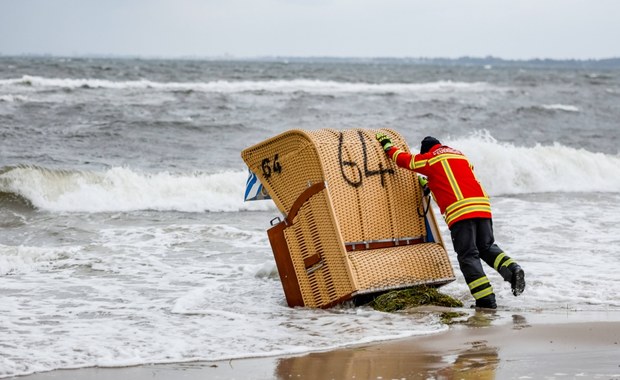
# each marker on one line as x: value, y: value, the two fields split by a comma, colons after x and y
x: 517, y: 279
x: 516, y: 276
x: 487, y: 302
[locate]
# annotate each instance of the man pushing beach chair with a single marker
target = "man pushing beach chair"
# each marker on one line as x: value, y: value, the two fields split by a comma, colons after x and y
x: 467, y: 210
x: 352, y: 225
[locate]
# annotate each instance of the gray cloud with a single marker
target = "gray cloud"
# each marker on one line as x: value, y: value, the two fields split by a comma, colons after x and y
x: 246, y: 28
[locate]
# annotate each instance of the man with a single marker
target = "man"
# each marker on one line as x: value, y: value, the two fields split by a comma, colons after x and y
x: 467, y: 211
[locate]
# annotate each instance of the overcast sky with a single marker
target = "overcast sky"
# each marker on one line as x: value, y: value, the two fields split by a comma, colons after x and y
x: 510, y: 29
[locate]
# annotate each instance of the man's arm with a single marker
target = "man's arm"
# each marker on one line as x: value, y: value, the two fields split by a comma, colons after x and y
x: 399, y: 156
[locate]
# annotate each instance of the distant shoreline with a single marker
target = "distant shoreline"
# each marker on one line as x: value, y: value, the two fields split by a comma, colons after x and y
x: 612, y: 62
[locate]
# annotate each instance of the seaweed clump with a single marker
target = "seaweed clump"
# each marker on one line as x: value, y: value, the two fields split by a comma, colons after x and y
x: 451, y: 317
x: 413, y: 297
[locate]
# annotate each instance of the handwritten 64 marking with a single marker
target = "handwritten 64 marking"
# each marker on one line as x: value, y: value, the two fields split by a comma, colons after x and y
x: 269, y: 168
x: 367, y: 172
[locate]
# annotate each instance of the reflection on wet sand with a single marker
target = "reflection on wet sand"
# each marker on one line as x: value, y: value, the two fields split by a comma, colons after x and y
x: 477, y: 362
x: 475, y: 359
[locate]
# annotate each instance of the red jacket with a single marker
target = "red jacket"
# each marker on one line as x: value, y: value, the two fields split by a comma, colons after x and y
x: 451, y: 179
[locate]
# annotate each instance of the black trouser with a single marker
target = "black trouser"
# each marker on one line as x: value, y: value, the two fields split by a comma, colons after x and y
x: 473, y: 240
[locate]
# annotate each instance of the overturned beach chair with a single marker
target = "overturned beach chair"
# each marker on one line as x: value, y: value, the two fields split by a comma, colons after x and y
x: 353, y: 223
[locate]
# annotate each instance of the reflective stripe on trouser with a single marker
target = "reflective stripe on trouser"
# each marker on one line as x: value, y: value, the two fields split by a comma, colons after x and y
x: 463, y: 235
x: 480, y: 288
x: 502, y: 261
x: 489, y: 251
x: 476, y: 235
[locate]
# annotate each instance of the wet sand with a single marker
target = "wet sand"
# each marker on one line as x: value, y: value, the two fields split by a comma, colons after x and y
x: 478, y: 345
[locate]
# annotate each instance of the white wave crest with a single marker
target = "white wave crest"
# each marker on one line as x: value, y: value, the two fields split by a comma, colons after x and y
x: 560, y: 107
x: 279, y: 86
x: 122, y: 189
x: 504, y: 168
x: 13, y: 98
x: 20, y: 259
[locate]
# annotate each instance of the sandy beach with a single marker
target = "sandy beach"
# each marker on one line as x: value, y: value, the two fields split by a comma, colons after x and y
x: 478, y: 345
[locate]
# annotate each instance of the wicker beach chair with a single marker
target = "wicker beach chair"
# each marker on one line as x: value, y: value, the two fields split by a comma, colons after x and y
x: 352, y: 223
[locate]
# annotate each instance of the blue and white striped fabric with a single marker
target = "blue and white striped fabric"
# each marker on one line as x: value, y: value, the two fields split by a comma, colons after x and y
x: 254, y: 190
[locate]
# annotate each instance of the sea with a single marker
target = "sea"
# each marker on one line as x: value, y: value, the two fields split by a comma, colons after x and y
x: 125, y: 238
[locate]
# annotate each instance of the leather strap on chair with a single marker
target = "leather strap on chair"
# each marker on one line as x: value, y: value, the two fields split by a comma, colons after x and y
x: 303, y: 198
x: 364, y: 245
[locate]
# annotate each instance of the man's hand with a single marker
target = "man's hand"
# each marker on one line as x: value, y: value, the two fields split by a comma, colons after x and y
x: 385, y: 141
x: 424, y: 183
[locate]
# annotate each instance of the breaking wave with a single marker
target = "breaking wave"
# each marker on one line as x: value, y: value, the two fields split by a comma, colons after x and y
x: 278, y: 86
x: 123, y: 189
x: 502, y: 168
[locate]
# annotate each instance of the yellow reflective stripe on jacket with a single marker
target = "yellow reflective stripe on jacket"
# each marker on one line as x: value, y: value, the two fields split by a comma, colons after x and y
x: 466, y: 210
x: 476, y: 283
x: 418, y: 164
x: 453, y: 184
x: 468, y: 201
x: 465, y: 206
x: 396, y: 154
x: 446, y: 156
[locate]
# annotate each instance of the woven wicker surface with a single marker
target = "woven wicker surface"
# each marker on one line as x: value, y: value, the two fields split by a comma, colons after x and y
x: 297, y: 161
x: 372, y: 198
x: 400, y: 267
x: 367, y: 198
x: 315, y: 233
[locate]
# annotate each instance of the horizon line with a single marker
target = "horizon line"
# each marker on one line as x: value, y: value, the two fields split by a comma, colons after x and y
x: 302, y: 57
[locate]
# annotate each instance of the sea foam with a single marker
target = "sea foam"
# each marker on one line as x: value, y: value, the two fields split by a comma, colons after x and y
x: 21, y: 259
x: 502, y: 168
x: 278, y: 86
x: 560, y: 107
x: 123, y: 189
x: 506, y: 169
x: 13, y: 98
